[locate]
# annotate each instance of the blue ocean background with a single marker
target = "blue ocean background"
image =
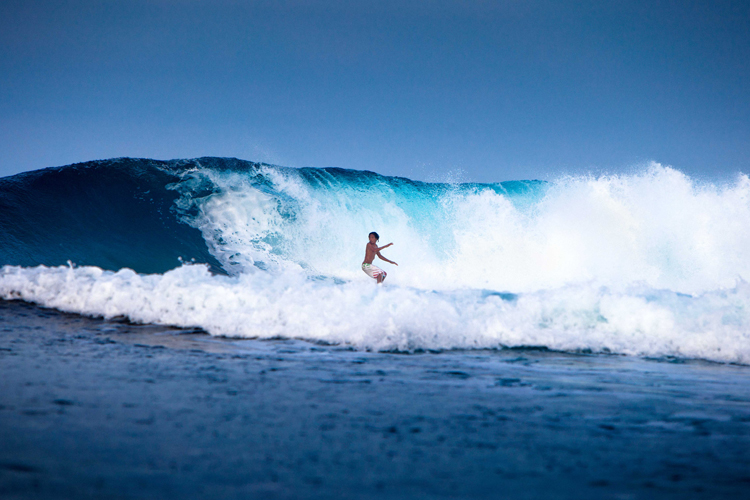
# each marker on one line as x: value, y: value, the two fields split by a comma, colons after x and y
x: 651, y: 263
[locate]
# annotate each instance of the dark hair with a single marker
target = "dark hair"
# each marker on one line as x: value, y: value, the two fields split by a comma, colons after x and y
x: 377, y: 236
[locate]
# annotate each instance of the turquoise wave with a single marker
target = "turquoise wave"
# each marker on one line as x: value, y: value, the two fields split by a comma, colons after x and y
x: 138, y: 213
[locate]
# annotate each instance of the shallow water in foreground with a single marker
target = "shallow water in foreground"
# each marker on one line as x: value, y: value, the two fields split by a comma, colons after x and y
x: 94, y: 408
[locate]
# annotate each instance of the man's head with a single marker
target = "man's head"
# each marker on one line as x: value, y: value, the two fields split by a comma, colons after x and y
x: 374, y: 237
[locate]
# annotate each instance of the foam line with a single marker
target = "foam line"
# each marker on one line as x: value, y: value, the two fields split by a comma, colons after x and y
x: 635, y: 320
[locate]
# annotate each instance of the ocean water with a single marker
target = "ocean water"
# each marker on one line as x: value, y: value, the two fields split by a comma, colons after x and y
x: 581, y: 338
x: 651, y: 264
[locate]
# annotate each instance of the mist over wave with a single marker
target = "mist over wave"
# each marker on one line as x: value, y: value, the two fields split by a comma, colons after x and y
x: 651, y: 263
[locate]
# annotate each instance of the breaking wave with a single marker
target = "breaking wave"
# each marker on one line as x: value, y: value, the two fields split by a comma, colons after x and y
x: 653, y: 263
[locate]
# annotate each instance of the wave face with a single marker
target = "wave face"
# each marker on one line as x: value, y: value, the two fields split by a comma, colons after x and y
x: 648, y: 264
x: 111, y: 214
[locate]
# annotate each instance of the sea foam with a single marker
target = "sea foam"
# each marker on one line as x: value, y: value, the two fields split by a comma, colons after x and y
x: 636, y: 320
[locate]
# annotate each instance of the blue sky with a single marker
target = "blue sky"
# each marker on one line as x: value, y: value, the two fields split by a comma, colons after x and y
x: 483, y: 91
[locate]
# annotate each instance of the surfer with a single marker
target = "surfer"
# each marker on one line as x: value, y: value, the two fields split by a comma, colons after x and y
x: 371, y: 250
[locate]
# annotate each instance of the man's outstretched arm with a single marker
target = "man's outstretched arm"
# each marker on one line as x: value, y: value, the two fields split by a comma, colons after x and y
x: 383, y: 258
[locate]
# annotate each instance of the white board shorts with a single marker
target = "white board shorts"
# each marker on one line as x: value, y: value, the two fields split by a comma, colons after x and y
x: 373, y: 271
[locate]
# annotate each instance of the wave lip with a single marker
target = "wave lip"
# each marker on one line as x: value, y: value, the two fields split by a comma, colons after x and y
x: 657, y: 226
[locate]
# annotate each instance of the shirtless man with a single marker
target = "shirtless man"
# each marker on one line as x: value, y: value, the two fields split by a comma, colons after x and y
x: 371, y: 250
